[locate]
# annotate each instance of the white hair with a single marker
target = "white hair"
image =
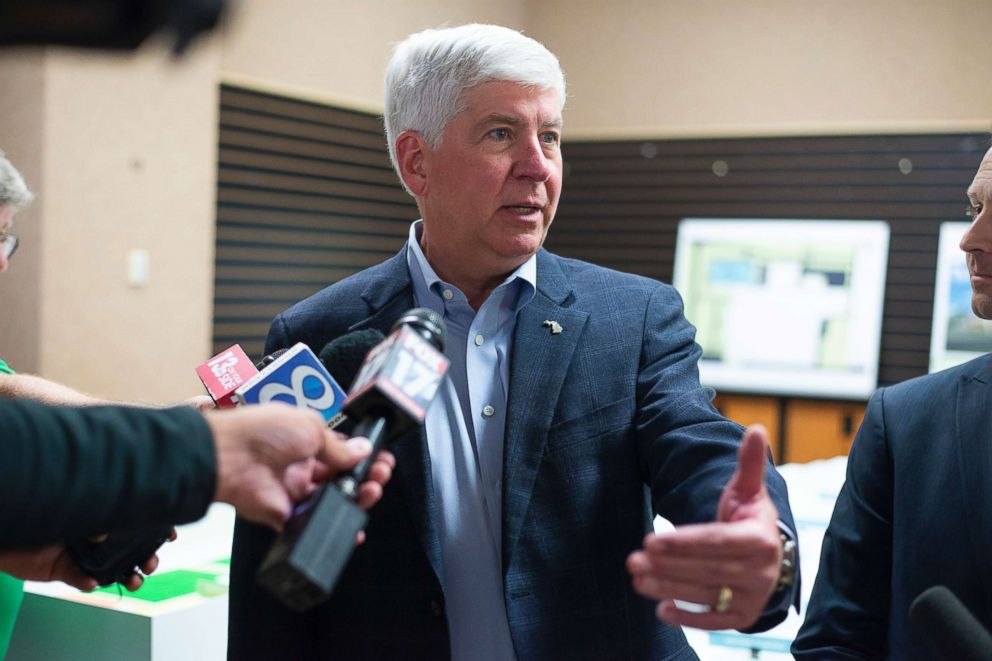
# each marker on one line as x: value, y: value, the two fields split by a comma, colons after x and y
x: 13, y: 191
x: 431, y: 71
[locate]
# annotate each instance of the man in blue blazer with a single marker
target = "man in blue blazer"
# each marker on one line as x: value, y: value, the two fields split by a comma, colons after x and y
x: 914, y: 511
x: 516, y: 526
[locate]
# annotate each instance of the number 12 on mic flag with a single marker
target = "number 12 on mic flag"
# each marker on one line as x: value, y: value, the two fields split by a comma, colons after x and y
x: 297, y: 377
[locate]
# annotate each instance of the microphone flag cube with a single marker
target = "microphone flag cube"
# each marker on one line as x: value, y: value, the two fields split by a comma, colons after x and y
x: 296, y: 377
x: 224, y: 373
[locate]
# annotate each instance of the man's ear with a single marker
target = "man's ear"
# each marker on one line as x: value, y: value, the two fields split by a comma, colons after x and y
x: 412, y: 158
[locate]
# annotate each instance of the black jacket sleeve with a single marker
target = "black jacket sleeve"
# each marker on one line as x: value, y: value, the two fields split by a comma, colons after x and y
x: 66, y: 473
x: 849, y: 610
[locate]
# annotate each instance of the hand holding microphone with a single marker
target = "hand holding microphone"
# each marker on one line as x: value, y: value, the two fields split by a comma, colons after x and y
x: 397, y: 381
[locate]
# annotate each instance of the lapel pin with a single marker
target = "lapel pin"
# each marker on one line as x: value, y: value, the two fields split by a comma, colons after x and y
x: 553, y: 325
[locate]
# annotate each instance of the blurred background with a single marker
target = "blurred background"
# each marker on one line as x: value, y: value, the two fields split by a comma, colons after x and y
x: 183, y: 202
x: 168, y: 189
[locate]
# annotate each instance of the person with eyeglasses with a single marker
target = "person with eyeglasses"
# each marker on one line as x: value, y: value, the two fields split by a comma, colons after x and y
x: 8, y: 244
x: 14, y: 198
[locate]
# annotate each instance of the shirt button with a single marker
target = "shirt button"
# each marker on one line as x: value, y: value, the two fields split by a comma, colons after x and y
x: 479, y: 340
x: 448, y: 294
x: 488, y: 411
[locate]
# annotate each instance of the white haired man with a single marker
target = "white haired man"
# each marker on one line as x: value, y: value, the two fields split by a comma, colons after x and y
x: 519, y: 508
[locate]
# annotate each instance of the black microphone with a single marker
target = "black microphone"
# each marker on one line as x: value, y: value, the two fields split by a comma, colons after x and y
x: 115, y: 558
x: 343, y: 357
x: 269, y: 358
x: 396, y: 383
x: 951, y: 630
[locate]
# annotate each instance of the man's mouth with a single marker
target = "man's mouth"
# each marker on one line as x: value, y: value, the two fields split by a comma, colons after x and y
x: 525, y: 208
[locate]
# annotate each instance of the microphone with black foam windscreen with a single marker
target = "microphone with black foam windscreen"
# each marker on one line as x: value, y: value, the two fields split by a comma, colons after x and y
x: 948, y: 626
x: 343, y: 358
x: 396, y: 382
x: 269, y: 358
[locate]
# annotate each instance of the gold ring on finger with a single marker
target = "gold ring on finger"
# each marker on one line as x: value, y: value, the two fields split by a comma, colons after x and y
x: 723, y: 599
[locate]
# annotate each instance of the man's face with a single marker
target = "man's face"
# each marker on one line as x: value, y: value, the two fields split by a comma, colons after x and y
x: 6, y: 222
x: 492, y: 184
x: 977, y: 241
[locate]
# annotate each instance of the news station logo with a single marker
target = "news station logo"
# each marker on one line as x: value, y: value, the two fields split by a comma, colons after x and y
x: 405, y: 368
x: 299, y: 378
x: 224, y: 373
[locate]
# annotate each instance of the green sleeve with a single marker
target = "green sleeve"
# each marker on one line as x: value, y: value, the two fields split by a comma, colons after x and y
x: 67, y: 473
x: 11, y: 589
x: 11, y: 595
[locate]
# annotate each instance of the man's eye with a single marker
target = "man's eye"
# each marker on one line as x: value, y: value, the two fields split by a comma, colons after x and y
x: 973, y: 210
x: 550, y: 138
x: 499, y: 134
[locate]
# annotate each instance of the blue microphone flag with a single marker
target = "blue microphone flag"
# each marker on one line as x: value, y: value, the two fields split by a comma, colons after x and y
x: 297, y: 377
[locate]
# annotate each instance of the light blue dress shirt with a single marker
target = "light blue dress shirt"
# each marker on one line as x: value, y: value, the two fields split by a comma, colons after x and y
x: 465, y: 426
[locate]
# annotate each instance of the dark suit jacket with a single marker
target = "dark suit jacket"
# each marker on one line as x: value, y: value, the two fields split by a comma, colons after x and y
x: 596, y: 413
x: 66, y: 473
x: 913, y: 513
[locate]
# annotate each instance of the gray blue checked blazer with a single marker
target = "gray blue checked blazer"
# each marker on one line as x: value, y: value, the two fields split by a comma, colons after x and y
x: 607, y: 425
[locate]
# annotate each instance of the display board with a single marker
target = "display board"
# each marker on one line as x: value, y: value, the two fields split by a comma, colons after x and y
x: 789, y: 307
x: 957, y: 335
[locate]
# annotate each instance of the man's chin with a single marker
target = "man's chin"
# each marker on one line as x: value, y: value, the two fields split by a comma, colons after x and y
x: 981, y: 305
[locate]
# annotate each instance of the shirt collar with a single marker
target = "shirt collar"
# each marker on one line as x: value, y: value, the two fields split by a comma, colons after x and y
x: 427, y: 286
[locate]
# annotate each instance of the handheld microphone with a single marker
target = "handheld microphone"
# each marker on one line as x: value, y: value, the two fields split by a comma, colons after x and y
x: 951, y: 630
x: 114, y: 559
x: 296, y: 377
x: 396, y: 383
x: 225, y: 373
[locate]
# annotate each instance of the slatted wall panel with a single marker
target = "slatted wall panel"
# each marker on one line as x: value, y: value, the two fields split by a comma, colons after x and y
x: 622, y: 202
x: 306, y: 196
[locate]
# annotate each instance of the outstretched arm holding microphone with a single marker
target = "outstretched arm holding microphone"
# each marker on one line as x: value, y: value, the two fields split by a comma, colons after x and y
x: 70, y: 473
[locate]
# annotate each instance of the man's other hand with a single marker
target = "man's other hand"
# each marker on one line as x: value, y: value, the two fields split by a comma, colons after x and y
x: 732, y: 565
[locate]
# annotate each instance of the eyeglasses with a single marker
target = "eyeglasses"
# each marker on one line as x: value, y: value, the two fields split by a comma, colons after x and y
x: 8, y: 244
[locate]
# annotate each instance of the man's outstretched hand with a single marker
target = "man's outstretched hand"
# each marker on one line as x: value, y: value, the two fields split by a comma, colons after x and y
x: 732, y: 563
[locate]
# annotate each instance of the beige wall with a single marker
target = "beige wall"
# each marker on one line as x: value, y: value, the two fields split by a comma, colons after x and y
x: 131, y: 164
x: 717, y: 67
x: 337, y: 51
x: 121, y: 149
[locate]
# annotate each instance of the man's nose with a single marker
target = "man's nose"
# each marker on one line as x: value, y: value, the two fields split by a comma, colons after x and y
x: 978, y: 236
x: 532, y: 161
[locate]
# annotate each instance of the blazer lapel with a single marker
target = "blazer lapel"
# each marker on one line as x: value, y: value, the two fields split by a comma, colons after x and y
x: 540, y: 359
x: 973, y: 420
x: 389, y: 293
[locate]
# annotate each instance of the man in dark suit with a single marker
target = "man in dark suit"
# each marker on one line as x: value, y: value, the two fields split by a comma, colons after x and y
x: 572, y: 414
x: 914, y: 511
